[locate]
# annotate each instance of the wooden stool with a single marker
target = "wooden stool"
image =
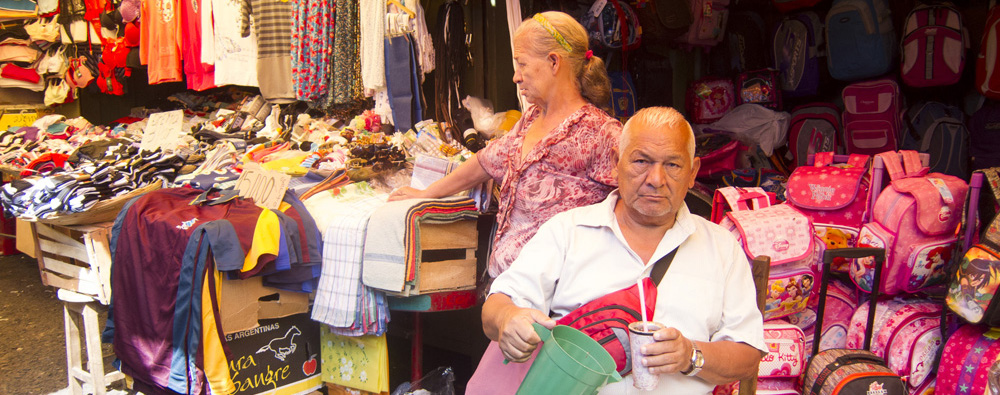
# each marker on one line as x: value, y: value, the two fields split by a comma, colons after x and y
x: 76, y: 309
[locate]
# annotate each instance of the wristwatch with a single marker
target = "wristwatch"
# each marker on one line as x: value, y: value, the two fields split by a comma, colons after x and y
x: 697, y: 361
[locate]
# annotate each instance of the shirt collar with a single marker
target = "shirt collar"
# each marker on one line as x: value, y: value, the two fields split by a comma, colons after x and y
x: 603, y: 214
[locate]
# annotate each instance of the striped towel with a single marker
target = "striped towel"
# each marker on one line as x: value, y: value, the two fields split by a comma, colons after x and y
x: 341, y: 300
x: 390, y: 251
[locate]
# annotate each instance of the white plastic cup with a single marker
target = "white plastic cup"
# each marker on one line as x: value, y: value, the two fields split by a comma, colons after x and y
x: 640, y: 333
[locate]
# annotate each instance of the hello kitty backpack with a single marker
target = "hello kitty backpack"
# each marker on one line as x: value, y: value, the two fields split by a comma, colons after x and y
x: 785, y: 350
x: 907, y: 334
x: 915, y: 220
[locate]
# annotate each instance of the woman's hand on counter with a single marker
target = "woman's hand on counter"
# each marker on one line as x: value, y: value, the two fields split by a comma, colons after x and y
x: 403, y: 193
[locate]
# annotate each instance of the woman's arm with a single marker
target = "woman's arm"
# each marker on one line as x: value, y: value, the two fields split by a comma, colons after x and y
x: 467, y: 175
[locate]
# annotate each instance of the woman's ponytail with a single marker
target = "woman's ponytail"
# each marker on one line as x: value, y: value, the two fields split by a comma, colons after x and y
x: 595, y: 86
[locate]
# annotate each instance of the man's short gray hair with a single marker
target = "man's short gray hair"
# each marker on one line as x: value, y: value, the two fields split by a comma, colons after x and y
x: 658, y: 118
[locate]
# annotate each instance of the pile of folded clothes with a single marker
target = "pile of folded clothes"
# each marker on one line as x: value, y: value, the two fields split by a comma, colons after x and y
x: 64, y: 191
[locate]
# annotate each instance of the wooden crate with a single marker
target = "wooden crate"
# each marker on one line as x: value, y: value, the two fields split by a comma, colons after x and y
x: 457, y: 240
x: 77, y: 258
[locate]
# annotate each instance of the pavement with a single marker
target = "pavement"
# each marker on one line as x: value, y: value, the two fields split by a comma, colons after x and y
x: 32, y: 341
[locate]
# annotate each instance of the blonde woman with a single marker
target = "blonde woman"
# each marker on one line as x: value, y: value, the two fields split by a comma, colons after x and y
x: 563, y: 151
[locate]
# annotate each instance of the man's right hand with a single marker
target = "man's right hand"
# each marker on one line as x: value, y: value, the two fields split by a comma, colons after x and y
x: 518, y: 338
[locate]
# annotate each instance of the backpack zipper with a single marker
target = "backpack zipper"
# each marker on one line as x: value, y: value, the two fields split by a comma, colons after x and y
x: 629, y: 310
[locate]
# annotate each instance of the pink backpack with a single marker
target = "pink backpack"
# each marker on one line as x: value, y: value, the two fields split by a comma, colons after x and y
x: 872, y: 116
x: 785, y: 350
x: 781, y: 233
x: 841, y: 302
x: 907, y: 335
x: 708, y: 99
x: 834, y: 196
x: 988, y: 59
x: 709, y: 25
x: 915, y: 221
x: 966, y: 359
x: 771, y: 386
x: 934, y: 44
x: 777, y: 231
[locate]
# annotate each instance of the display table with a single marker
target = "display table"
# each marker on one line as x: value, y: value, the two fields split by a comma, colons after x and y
x: 77, y: 260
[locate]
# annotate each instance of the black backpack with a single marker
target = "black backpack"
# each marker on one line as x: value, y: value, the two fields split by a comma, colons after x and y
x: 984, y: 136
x: 744, y: 47
x: 662, y: 21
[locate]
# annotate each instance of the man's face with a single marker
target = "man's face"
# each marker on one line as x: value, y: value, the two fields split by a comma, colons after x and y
x: 654, y: 174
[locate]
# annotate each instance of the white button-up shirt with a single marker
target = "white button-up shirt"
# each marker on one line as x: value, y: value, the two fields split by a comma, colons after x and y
x: 579, y: 255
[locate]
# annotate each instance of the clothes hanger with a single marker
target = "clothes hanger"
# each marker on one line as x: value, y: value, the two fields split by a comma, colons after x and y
x: 402, y: 7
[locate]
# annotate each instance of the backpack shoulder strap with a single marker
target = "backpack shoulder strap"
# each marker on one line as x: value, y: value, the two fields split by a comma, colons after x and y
x: 893, y: 167
x: 661, y: 266
x: 911, y: 164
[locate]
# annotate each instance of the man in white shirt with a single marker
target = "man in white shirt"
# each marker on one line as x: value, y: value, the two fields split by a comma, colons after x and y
x: 706, y: 300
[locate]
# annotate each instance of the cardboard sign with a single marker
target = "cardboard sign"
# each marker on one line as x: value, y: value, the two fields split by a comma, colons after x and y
x: 265, y: 187
x: 281, y: 356
x: 243, y: 303
x: 163, y: 130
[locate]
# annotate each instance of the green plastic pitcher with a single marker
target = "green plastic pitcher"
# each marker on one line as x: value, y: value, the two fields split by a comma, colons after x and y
x: 569, y: 363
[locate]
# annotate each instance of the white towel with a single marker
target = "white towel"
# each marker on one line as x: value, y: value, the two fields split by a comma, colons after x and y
x: 385, y: 247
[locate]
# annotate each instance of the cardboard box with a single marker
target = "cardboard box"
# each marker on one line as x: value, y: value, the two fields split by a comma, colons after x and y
x: 245, y: 302
x: 280, y: 357
x: 440, y: 275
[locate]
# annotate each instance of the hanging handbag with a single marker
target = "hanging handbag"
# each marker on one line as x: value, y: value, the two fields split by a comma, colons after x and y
x: 79, y: 75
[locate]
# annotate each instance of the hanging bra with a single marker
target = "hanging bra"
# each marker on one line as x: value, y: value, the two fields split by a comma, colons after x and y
x: 54, y: 63
x: 43, y: 30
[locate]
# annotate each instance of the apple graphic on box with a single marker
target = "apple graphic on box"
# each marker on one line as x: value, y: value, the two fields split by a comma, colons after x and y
x: 309, y: 366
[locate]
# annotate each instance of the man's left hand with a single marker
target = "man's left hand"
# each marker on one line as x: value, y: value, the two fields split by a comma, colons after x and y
x: 670, y: 353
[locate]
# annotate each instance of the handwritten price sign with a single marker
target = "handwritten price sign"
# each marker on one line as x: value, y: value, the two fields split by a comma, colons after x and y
x: 21, y: 118
x: 163, y: 130
x: 265, y: 187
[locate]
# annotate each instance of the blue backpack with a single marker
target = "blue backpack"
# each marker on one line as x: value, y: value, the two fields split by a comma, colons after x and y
x: 797, y: 42
x: 860, y: 40
x: 939, y: 130
x: 622, y: 95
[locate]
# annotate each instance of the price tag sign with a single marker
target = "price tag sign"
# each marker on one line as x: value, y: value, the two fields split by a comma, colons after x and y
x: 163, y: 130
x: 265, y: 187
x: 20, y: 118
